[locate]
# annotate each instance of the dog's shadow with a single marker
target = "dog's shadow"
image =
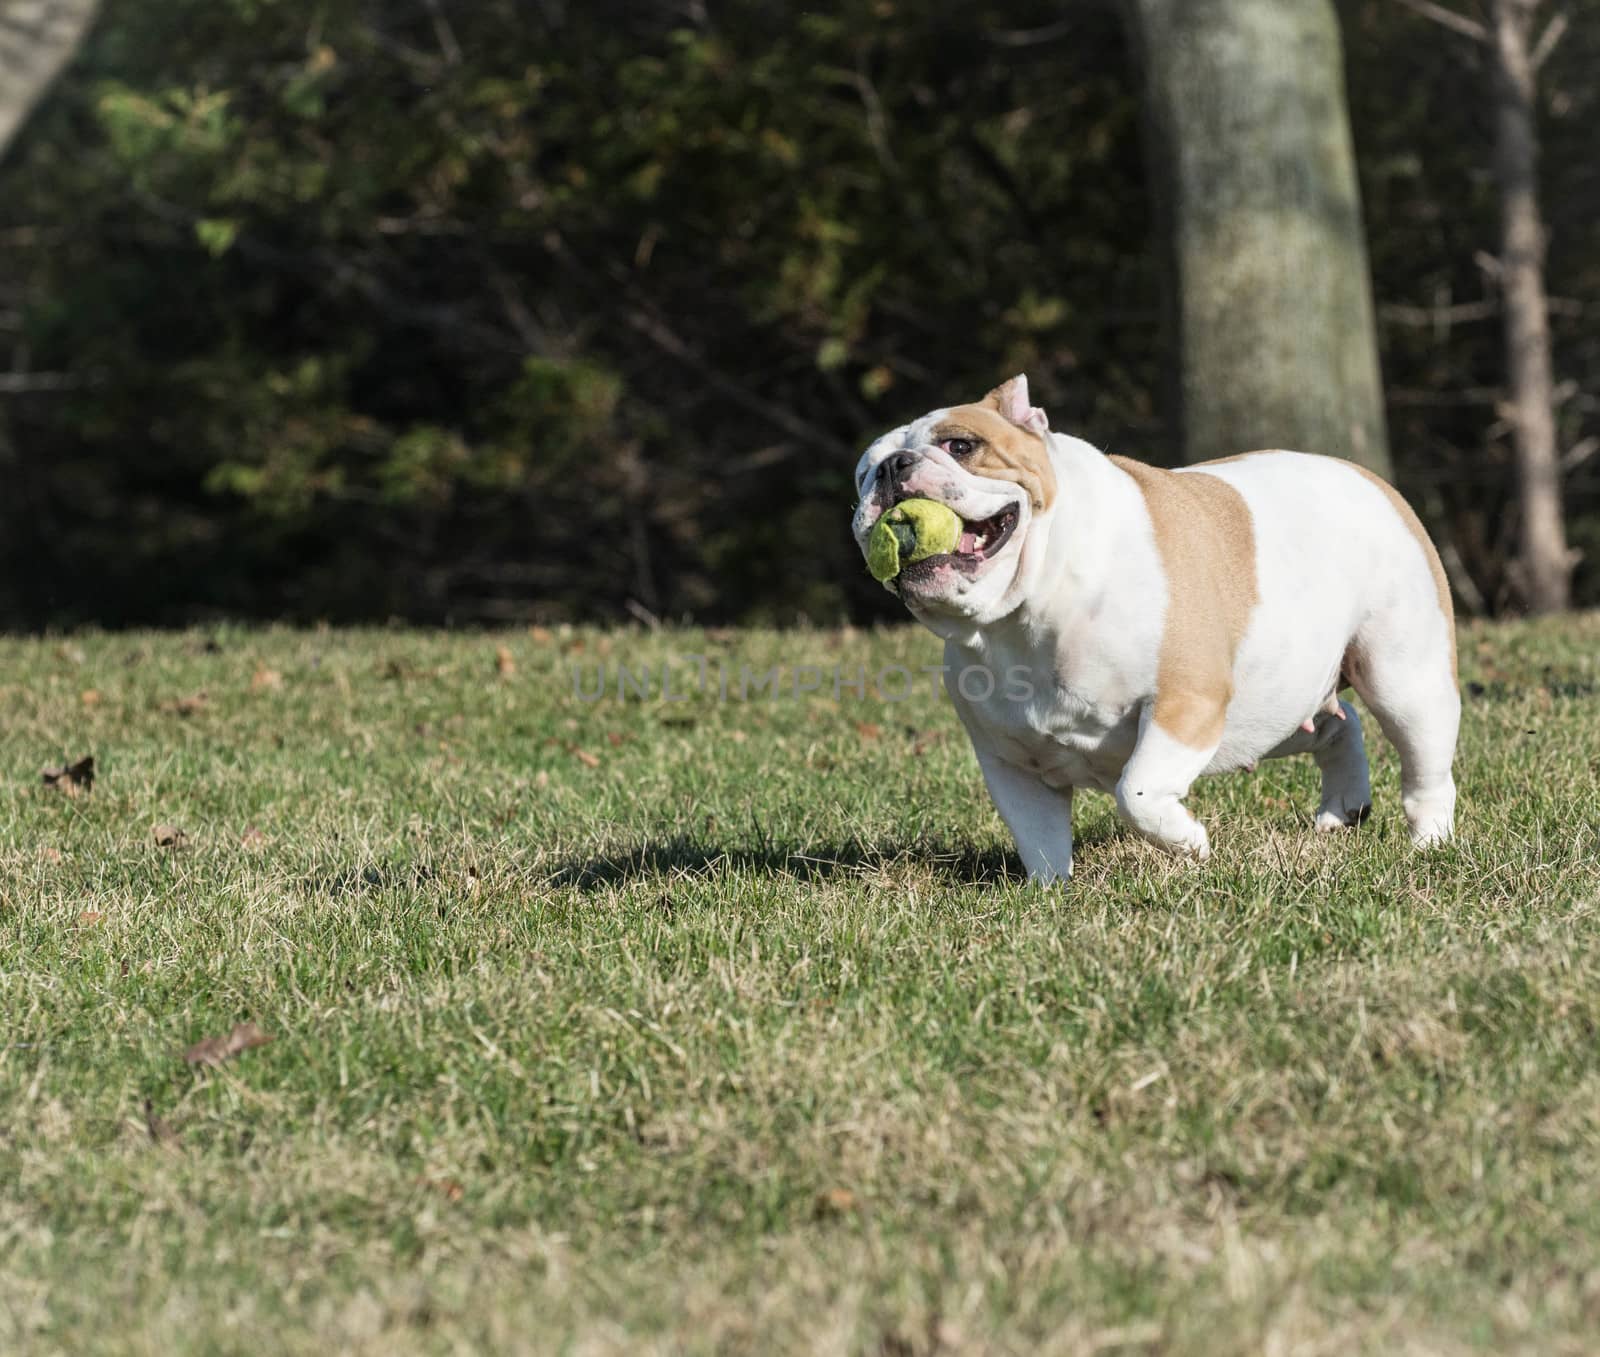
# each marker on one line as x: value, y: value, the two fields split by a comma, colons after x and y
x: 951, y: 863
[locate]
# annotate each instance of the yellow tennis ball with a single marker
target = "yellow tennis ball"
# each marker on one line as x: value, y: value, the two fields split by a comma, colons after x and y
x: 911, y: 531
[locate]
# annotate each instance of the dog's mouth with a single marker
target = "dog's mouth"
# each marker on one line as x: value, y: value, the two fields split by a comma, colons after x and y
x: 985, y: 537
x: 981, y: 540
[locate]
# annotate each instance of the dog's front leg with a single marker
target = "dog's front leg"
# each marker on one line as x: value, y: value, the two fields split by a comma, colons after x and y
x: 1038, y: 816
x: 1164, y: 764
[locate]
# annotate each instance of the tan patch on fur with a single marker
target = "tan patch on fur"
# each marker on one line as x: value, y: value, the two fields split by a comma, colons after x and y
x: 1408, y: 516
x: 1208, y: 550
x: 1005, y: 452
x: 1441, y: 582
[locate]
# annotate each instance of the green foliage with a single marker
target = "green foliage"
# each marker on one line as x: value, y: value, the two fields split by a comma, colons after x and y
x: 431, y: 306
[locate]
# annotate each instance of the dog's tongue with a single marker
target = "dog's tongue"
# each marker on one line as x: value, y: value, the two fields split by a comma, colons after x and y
x: 968, y: 544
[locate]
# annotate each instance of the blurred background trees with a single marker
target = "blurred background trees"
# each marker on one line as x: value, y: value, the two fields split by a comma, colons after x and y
x: 500, y: 311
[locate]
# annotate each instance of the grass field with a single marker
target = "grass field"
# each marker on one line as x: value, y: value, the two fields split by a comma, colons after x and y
x: 643, y: 1025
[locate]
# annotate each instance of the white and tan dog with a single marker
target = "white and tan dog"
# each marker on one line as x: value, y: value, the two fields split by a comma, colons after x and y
x: 1115, y: 626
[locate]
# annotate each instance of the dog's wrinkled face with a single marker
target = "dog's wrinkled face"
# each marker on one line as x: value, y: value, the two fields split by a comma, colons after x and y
x: 990, y: 462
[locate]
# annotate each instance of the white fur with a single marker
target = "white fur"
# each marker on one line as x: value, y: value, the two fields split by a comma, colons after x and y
x: 1075, y: 602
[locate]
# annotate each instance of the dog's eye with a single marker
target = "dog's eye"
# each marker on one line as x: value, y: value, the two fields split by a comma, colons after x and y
x: 958, y: 447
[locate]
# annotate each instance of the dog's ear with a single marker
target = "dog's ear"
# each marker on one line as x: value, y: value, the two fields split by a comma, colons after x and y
x: 1011, y: 400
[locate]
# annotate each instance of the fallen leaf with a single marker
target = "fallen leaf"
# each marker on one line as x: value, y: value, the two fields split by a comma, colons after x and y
x: 214, y: 1050
x: 615, y: 738
x: 168, y: 836
x: 90, y: 697
x: 504, y: 664
x: 89, y: 917
x: 926, y: 740
x: 50, y: 854
x: 252, y: 838
x: 72, y: 778
x: 448, y: 1188
x: 186, y: 706
x: 541, y: 779
x: 584, y: 757
x: 836, y: 1201
x: 266, y: 680
x: 541, y: 635
x: 868, y: 730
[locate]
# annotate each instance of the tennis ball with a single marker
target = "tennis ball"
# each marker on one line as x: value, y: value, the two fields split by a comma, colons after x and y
x: 911, y: 531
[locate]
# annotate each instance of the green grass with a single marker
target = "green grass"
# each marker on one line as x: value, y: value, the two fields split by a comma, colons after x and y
x: 632, y: 1026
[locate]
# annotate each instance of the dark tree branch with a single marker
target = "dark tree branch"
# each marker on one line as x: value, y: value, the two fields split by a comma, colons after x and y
x: 1448, y: 18
x: 1547, y: 41
x: 659, y: 333
x: 1030, y: 37
x: 23, y: 383
x: 647, y: 320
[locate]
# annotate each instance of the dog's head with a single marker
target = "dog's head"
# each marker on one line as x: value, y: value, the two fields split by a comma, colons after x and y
x: 991, y: 463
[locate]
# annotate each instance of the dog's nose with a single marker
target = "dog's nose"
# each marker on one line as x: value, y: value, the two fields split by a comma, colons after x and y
x: 892, y: 469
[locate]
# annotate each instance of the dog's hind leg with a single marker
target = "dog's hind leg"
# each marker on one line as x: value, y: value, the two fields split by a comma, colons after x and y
x: 1334, y: 741
x: 1418, y: 706
x: 1402, y: 662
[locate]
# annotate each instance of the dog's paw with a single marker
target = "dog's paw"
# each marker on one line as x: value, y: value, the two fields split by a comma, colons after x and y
x: 1431, y: 833
x: 1331, y: 818
x: 1432, y: 818
x: 1194, y: 845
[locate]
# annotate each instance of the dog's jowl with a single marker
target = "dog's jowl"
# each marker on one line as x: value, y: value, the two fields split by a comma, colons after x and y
x: 1169, y: 623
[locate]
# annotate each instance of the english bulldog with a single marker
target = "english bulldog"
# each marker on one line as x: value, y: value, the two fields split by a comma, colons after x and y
x: 1116, y: 626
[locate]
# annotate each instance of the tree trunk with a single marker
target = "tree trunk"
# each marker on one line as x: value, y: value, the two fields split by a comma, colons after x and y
x: 37, y: 38
x: 1254, y: 172
x: 1544, y: 571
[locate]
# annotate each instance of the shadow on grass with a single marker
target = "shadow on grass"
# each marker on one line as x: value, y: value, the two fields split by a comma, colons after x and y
x: 952, y: 863
x: 1556, y: 684
x: 682, y: 856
